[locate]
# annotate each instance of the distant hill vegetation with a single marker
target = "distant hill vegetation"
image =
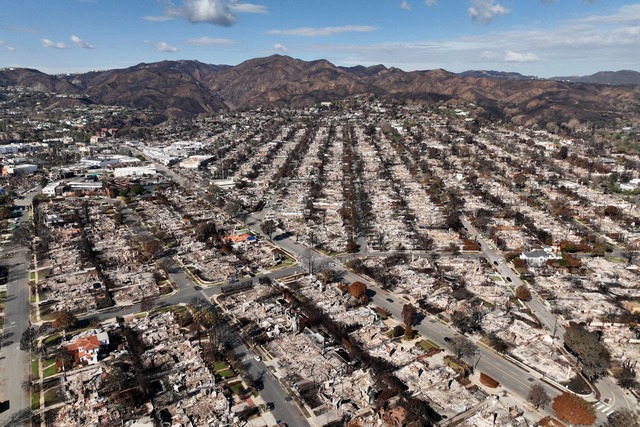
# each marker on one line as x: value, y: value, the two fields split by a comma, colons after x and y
x: 496, y: 75
x: 188, y: 88
x: 624, y: 77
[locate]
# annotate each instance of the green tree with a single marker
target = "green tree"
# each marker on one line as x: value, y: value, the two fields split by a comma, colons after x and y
x: 626, y: 375
x: 28, y: 339
x: 592, y: 354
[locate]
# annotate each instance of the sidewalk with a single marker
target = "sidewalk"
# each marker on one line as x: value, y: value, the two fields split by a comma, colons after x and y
x: 505, y: 398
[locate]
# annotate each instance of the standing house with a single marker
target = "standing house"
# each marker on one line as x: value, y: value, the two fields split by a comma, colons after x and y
x: 539, y: 257
x: 86, y: 349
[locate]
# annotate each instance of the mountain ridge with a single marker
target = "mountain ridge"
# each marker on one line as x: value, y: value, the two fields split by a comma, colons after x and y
x: 186, y: 88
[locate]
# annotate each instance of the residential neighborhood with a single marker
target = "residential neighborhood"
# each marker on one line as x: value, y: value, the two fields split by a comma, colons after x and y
x: 367, y: 262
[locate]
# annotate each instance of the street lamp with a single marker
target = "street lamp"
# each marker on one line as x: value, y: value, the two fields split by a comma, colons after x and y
x: 477, y: 361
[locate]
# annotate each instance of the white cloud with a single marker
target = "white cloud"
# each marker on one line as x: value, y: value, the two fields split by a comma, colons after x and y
x: 431, y: 3
x: 209, y: 41
x: 162, y: 46
x: 511, y: 56
x: 488, y: 55
x: 484, y: 10
x: 216, y: 12
x: 576, y: 46
x: 52, y: 44
x: 322, y: 31
x: 80, y: 43
x: 405, y: 5
x: 249, y: 8
x: 162, y: 18
x: 280, y: 48
x: 629, y: 14
x: 4, y: 45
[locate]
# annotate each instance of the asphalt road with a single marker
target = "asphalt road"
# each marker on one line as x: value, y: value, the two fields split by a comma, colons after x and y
x: 495, y: 257
x: 511, y: 376
x: 284, y: 409
x: 15, y: 364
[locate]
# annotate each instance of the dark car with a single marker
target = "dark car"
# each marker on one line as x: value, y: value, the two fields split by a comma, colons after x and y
x: 447, y: 339
x: 270, y: 406
x: 509, y: 279
x: 390, y: 300
x: 258, y: 385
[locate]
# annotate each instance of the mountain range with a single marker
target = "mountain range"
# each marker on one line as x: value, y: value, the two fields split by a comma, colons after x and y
x: 187, y: 88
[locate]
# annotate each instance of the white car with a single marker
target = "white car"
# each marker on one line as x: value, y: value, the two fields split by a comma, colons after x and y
x: 258, y: 358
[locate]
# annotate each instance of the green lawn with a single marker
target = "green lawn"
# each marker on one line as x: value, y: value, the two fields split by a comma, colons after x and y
x: 35, y: 374
x: 49, y: 371
x: 427, y: 345
x: 53, y: 340
x: 432, y: 344
x: 218, y: 366
x: 3, y: 297
x: 51, y: 397
x: 237, y: 388
x: 225, y: 373
x: 35, y: 401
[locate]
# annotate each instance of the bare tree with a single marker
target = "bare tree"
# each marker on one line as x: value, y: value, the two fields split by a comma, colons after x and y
x: 147, y: 304
x: 462, y: 346
x: 152, y: 247
x: 328, y: 275
x: 624, y: 417
x: 23, y: 234
x: 232, y: 208
x: 269, y: 227
x: 627, y: 375
x: 309, y: 260
x: 538, y: 396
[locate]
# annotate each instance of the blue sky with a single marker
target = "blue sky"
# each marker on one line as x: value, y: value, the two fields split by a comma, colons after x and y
x: 535, y: 37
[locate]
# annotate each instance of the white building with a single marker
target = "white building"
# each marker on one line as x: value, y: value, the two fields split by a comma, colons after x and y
x: 19, y: 169
x: 86, y: 185
x: 539, y: 257
x: 50, y: 189
x: 134, y: 171
x: 111, y: 160
x: 194, y: 162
